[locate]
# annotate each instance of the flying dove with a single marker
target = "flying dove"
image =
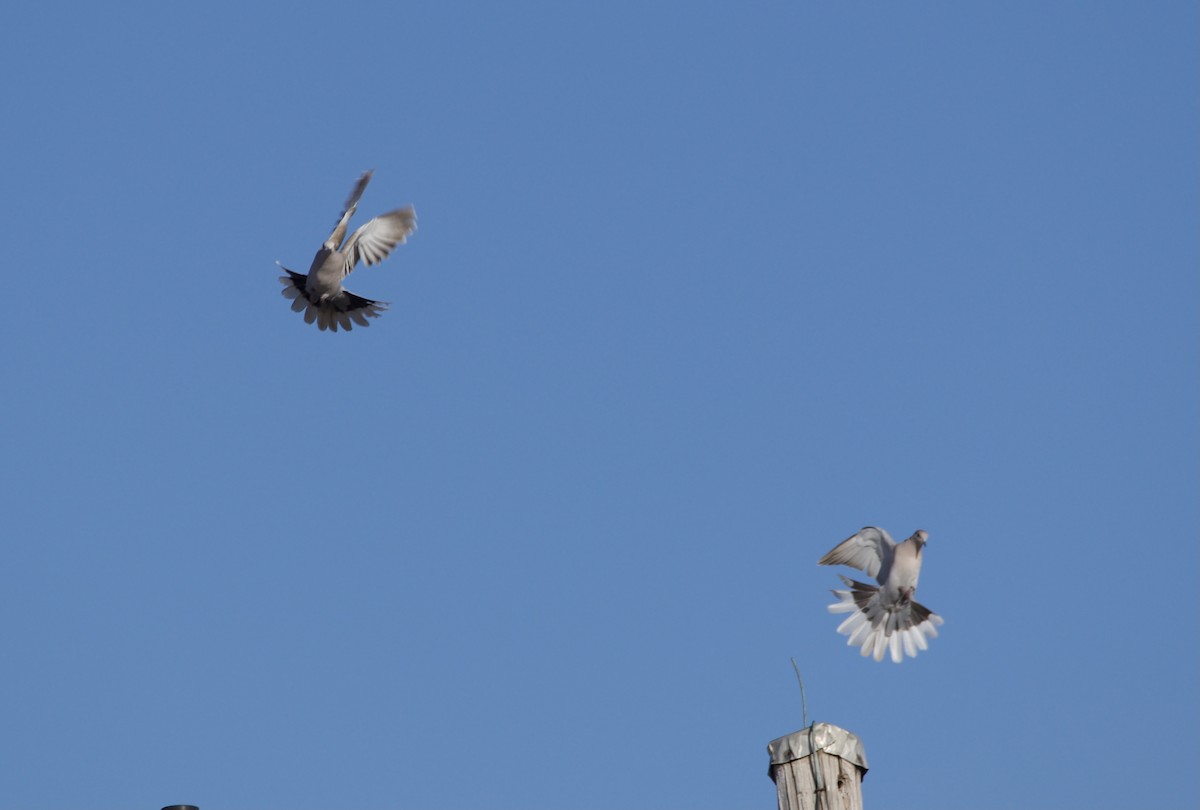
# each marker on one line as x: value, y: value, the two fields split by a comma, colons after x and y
x: 320, y: 294
x: 883, y: 617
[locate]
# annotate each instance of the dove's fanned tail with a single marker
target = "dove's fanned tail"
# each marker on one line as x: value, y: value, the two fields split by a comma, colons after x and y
x: 900, y: 629
x: 342, y: 310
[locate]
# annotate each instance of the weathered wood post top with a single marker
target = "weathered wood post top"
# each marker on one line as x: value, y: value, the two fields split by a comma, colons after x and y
x: 821, y: 766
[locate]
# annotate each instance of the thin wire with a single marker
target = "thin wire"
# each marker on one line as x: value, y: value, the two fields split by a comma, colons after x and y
x: 819, y: 794
x: 803, y: 701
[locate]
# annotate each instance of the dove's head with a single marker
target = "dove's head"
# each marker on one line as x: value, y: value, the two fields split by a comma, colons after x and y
x: 920, y: 537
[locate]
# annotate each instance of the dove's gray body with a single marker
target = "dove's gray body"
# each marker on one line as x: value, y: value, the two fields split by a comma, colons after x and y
x: 320, y: 294
x: 884, y: 617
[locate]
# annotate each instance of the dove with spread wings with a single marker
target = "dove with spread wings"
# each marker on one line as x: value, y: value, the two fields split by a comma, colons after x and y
x: 320, y: 294
x: 884, y: 617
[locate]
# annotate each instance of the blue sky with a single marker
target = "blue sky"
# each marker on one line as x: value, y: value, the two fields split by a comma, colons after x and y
x: 698, y: 290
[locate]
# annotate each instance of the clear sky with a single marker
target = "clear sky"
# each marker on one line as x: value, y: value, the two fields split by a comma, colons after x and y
x: 699, y: 290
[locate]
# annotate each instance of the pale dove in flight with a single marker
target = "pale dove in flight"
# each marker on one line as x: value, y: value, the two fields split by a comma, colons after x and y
x: 883, y: 618
x: 320, y: 294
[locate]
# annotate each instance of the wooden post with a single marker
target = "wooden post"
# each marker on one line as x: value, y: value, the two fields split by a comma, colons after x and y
x: 819, y: 768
